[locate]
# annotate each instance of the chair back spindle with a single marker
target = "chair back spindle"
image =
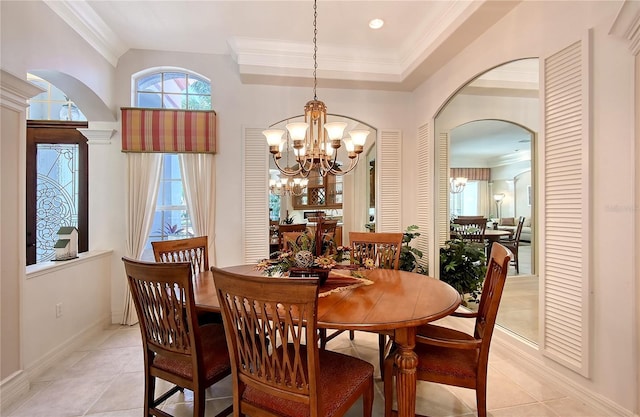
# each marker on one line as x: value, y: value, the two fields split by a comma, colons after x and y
x: 271, y: 327
x: 471, y: 228
x: 176, y: 348
x: 194, y: 250
x: 382, y: 248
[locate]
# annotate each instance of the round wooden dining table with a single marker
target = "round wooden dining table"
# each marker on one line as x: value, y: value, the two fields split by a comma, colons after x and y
x: 397, y: 301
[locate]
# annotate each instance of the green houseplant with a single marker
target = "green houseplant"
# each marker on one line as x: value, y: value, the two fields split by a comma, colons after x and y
x: 463, y: 265
x: 409, y: 256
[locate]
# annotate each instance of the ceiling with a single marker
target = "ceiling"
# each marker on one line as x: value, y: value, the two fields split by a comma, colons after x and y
x: 271, y: 41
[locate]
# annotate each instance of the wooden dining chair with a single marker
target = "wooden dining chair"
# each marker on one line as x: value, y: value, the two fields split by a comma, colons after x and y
x: 176, y: 348
x: 452, y: 357
x: 279, y: 370
x: 513, y: 244
x: 286, y: 228
x: 288, y: 238
x: 194, y: 250
x: 470, y: 229
x: 384, y: 250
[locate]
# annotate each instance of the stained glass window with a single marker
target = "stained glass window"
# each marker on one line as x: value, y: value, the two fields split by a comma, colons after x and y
x: 57, y: 195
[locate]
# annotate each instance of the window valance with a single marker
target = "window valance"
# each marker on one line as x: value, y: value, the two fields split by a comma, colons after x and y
x: 168, y: 130
x: 472, y: 174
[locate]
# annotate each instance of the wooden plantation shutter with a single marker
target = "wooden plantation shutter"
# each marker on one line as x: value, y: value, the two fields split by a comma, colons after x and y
x: 566, y: 201
x: 424, y: 197
x: 255, y: 196
x: 389, y: 173
x: 168, y: 130
x: 442, y: 178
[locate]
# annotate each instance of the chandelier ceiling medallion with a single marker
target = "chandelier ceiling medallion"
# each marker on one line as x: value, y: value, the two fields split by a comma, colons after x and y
x: 315, y: 142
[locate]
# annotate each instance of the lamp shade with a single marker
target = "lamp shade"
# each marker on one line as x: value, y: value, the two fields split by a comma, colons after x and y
x: 274, y: 136
x: 335, y: 130
x: 297, y: 131
x: 359, y: 137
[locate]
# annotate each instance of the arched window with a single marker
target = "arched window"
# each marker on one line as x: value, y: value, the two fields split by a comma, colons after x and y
x: 172, y: 89
x: 52, y: 104
x: 56, y: 172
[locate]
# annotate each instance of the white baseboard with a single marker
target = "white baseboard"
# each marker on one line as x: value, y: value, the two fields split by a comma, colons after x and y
x: 524, y: 357
x: 15, y: 386
x: 12, y: 388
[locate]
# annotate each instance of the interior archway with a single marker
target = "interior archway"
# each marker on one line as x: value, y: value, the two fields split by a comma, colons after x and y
x: 92, y: 106
x: 490, y: 123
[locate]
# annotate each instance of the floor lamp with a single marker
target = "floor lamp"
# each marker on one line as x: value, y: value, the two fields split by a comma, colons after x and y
x: 498, y: 198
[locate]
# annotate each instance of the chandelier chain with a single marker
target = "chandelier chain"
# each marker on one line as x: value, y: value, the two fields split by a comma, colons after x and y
x: 315, y: 48
x: 314, y: 142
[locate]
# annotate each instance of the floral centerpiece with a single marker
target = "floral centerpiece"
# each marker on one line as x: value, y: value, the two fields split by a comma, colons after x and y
x: 303, y: 257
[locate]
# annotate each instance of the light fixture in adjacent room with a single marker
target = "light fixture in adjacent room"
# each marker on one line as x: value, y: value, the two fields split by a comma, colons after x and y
x: 315, y: 142
x: 456, y: 185
x: 498, y: 199
x: 284, y: 187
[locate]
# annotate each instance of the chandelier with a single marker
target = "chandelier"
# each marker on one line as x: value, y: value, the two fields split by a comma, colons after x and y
x: 315, y: 142
x: 285, y: 187
x: 456, y: 185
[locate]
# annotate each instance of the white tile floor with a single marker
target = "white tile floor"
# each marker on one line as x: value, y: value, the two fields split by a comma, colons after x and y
x: 105, y: 379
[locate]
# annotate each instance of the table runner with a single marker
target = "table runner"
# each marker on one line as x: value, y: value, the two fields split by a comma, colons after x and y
x: 341, y: 281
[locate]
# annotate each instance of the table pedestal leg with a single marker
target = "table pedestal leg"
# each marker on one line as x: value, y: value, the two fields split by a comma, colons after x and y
x: 406, y: 362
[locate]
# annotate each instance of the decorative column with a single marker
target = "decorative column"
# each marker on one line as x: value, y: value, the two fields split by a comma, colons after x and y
x: 14, y: 93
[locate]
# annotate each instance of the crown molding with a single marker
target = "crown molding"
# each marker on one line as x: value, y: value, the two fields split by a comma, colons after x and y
x: 271, y: 58
x: 627, y: 25
x: 509, y: 159
x: 290, y: 59
x: 15, y: 91
x: 84, y: 20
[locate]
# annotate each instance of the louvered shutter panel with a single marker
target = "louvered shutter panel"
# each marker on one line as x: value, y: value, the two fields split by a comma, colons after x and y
x: 424, y: 200
x: 389, y: 181
x: 255, y: 196
x: 443, y: 214
x: 566, y: 219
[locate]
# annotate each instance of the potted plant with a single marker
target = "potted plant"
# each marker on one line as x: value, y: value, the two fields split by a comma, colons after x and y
x: 409, y: 255
x: 463, y: 265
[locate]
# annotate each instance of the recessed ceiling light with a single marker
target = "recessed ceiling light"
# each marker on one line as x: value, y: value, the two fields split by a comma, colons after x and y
x: 376, y: 23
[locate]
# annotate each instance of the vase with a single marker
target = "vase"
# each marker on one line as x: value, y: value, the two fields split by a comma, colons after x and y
x: 304, y: 259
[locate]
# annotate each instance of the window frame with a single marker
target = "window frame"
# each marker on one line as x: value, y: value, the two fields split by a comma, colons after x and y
x: 136, y: 80
x: 56, y: 132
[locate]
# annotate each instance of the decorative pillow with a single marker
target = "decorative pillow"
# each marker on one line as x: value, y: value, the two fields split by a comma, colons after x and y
x: 507, y: 221
x: 527, y: 222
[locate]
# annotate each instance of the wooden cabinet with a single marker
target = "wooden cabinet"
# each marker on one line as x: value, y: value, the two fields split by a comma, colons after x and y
x: 321, y: 193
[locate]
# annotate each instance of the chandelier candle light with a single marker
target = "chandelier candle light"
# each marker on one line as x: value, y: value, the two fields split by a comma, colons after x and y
x: 457, y: 184
x: 315, y: 142
x: 284, y: 186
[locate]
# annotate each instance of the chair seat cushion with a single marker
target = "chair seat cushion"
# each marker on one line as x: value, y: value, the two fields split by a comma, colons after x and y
x: 215, y: 356
x: 341, y: 376
x: 446, y: 362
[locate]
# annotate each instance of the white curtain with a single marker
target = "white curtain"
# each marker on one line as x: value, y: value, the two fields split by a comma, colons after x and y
x: 484, y: 199
x: 143, y: 176
x: 198, y: 176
